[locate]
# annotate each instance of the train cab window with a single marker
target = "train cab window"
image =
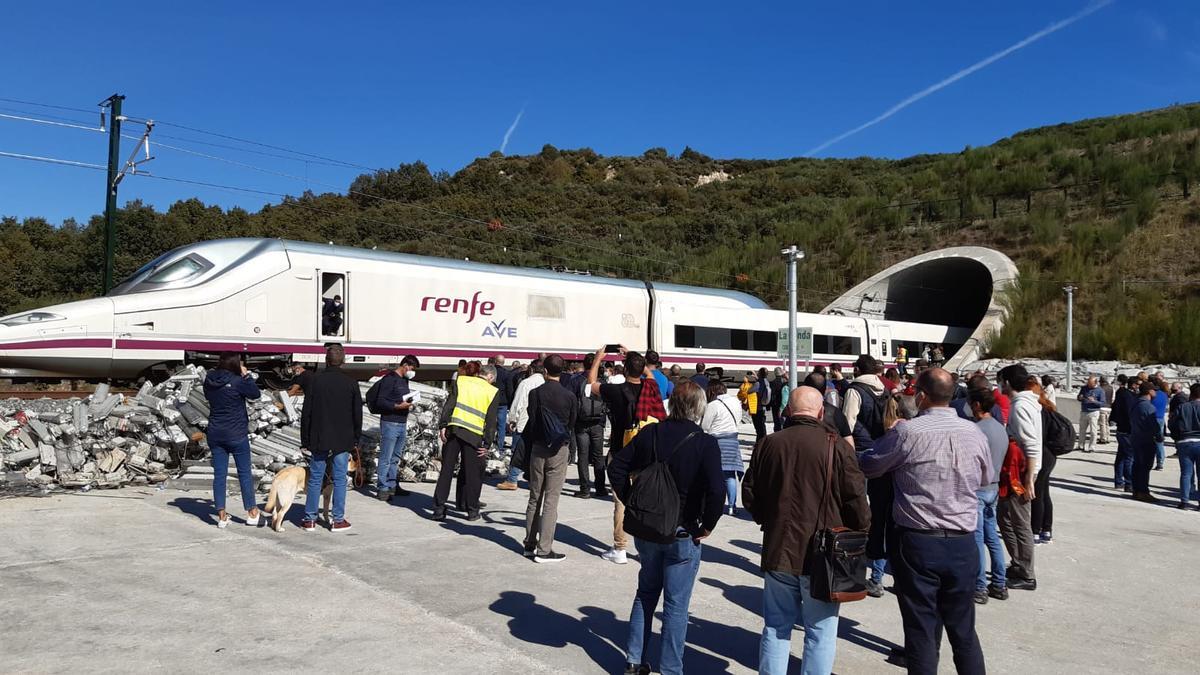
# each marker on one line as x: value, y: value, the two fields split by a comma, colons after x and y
x: 184, y: 268
x: 333, y: 305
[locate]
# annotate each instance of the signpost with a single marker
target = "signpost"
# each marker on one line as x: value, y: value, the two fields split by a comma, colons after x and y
x: 803, y: 349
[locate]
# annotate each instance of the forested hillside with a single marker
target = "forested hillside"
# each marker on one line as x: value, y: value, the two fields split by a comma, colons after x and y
x: 1109, y: 204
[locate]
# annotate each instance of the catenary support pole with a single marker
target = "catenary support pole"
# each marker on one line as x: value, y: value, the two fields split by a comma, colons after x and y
x: 1067, y: 387
x: 110, y: 187
x: 792, y: 255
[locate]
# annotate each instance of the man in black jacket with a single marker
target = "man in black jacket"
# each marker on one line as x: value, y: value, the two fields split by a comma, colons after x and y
x: 330, y: 426
x: 777, y: 393
x: 392, y: 405
x: 552, y: 412
x: 1122, y: 407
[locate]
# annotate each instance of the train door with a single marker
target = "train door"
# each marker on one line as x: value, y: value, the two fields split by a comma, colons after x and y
x: 333, y: 306
x: 882, y: 350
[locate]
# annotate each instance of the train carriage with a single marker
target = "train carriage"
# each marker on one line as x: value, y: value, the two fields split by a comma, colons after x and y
x: 270, y: 299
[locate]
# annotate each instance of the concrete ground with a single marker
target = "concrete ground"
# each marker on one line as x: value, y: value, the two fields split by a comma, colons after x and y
x: 141, y: 580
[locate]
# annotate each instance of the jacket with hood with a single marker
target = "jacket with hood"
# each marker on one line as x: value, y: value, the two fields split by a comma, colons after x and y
x: 1025, y: 427
x: 227, y: 394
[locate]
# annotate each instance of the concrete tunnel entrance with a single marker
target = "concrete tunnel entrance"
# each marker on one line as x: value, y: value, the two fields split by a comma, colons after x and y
x: 947, y: 291
x: 956, y: 287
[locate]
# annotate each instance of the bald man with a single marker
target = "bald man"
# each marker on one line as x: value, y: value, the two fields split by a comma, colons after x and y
x: 783, y: 489
x: 938, y: 462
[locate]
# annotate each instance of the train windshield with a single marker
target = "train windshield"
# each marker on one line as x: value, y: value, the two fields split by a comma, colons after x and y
x: 160, y: 275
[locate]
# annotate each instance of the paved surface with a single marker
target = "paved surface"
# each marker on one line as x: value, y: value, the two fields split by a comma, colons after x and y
x: 138, y: 580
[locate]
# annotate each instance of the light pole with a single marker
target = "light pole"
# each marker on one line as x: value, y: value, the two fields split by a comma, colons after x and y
x: 1070, y: 336
x: 792, y: 255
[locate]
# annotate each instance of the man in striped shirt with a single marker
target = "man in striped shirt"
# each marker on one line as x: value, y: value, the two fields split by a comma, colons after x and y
x: 939, y: 461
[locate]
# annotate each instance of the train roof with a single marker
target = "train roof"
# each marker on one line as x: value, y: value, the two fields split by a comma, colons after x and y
x: 748, y: 300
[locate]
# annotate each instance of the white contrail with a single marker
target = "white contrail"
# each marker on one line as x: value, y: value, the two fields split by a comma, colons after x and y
x: 511, y: 128
x: 1094, y: 7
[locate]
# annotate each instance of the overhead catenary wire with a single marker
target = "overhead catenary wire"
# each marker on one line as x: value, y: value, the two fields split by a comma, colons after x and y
x: 50, y: 122
x: 52, y: 160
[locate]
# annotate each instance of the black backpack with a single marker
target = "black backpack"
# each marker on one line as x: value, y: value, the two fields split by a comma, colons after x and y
x: 373, y: 394
x: 1058, y: 434
x: 652, y: 503
x: 592, y: 409
x: 554, y: 432
x: 877, y: 406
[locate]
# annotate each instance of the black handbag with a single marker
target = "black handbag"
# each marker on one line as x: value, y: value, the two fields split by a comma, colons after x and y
x: 837, y: 556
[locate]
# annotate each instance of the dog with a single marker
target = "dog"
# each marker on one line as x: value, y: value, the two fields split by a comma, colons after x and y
x: 291, y: 482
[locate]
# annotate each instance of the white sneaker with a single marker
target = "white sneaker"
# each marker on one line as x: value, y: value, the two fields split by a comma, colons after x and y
x: 253, y: 522
x: 223, y: 522
x: 612, y: 555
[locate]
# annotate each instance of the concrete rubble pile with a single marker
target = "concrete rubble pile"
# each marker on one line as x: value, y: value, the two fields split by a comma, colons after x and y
x: 1081, y: 369
x: 110, y: 439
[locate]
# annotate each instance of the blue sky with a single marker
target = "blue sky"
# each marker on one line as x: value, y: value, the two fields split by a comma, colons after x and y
x: 380, y: 83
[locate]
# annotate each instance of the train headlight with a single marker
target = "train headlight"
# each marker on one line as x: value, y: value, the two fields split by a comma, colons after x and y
x: 31, y: 318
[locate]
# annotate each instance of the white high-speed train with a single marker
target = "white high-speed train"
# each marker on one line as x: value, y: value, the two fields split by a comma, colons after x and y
x: 264, y: 297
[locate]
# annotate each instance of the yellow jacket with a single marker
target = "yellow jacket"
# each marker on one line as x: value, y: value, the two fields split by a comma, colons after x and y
x: 748, y: 396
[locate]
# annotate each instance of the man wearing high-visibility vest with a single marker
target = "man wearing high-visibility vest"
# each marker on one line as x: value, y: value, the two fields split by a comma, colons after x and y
x: 902, y: 360
x: 468, y: 427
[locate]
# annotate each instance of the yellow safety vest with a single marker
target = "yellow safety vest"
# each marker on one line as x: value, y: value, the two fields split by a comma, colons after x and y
x: 470, y: 407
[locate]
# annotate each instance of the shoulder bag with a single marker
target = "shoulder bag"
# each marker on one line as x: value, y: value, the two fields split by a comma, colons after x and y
x: 837, y: 556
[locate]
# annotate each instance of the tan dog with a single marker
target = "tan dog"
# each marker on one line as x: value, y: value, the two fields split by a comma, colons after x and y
x: 291, y: 482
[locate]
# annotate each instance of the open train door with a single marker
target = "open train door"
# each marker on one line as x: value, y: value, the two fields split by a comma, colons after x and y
x: 333, y: 306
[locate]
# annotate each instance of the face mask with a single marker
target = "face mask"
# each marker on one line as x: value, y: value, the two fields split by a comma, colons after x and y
x: 410, y: 374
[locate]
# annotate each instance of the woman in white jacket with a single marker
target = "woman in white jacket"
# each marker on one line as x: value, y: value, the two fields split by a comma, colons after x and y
x: 722, y: 416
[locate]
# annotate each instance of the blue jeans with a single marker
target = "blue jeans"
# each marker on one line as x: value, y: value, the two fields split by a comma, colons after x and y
x: 513, y: 472
x: 987, y: 539
x: 501, y: 426
x: 1189, y: 454
x: 316, y: 480
x: 786, y: 602
x: 668, y: 570
x: 731, y: 487
x: 1123, y: 465
x: 1160, y: 449
x: 240, y: 449
x: 391, y: 446
x: 877, y: 569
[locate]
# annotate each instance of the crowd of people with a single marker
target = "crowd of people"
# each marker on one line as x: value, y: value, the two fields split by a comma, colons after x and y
x: 949, y: 480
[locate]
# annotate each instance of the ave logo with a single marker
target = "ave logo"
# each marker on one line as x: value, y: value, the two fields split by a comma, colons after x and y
x: 497, y: 329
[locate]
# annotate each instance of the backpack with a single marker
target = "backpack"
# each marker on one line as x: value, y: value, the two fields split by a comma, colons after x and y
x: 652, y: 503
x: 1058, y: 434
x: 373, y: 395
x: 878, y: 405
x: 554, y: 433
x: 592, y: 409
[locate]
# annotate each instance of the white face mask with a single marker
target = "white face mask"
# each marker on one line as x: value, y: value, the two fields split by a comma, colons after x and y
x: 410, y: 374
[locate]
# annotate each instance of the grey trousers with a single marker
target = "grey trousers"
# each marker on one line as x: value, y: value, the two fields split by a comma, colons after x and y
x: 1013, y: 517
x: 547, y: 472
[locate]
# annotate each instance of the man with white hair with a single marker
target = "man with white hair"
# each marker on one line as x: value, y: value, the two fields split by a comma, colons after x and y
x: 785, y: 490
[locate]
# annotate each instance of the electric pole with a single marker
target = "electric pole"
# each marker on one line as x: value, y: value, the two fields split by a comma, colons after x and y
x: 113, y: 103
x: 792, y: 255
x: 1070, y: 336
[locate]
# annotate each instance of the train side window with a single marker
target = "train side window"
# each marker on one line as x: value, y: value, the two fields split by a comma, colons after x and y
x: 333, y: 305
x: 735, y: 339
x: 836, y: 344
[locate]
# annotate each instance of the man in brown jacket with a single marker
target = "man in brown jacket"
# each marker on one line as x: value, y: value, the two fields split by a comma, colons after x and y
x: 783, y: 490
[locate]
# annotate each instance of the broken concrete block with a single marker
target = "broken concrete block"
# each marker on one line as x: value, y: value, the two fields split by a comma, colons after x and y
x: 111, y: 461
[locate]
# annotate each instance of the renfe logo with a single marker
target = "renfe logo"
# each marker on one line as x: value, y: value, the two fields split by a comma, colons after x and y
x: 470, y: 307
